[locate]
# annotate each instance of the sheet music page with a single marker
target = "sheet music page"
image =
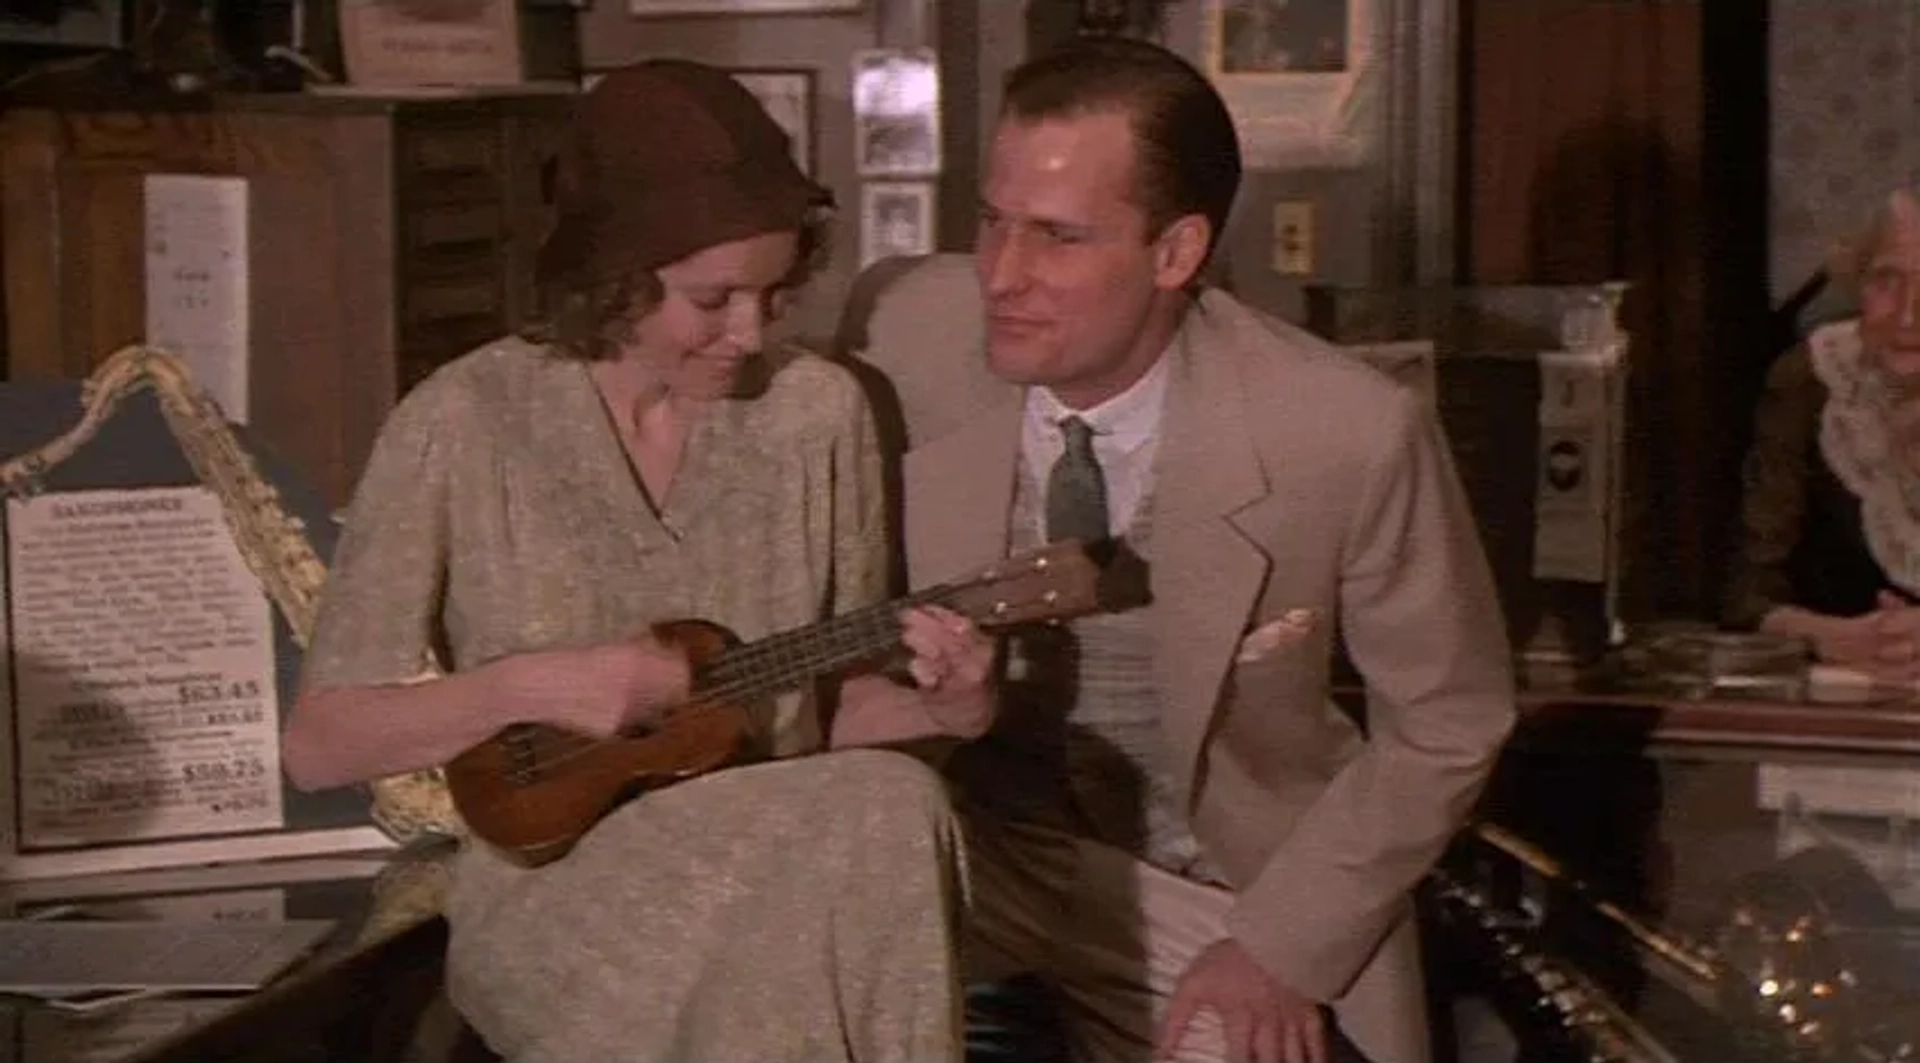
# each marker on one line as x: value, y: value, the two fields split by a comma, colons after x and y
x: 145, y: 702
x: 197, y: 290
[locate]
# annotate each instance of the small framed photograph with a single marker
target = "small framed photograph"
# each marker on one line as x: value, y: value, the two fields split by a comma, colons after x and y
x: 896, y: 112
x: 1296, y: 75
x: 896, y: 218
x: 464, y: 43
x: 739, y: 7
x: 1281, y: 37
x: 788, y: 97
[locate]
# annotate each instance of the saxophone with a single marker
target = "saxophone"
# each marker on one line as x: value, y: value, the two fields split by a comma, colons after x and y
x: 272, y: 541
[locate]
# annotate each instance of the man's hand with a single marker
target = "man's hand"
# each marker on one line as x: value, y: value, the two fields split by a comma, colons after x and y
x: 953, y: 665
x: 1261, y: 1019
x: 952, y: 695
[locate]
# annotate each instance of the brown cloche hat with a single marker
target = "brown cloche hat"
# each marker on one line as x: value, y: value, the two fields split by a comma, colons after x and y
x: 665, y: 158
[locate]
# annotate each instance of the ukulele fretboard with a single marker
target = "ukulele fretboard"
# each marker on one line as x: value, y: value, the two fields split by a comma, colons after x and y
x: 788, y: 659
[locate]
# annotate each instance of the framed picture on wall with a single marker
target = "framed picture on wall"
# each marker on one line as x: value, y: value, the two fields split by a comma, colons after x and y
x: 1264, y: 37
x: 896, y: 109
x: 739, y: 7
x: 788, y: 97
x: 1296, y: 74
x: 896, y: 218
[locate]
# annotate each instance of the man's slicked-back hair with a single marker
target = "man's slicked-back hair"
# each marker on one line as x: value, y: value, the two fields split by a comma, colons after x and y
x: 1187, y: 153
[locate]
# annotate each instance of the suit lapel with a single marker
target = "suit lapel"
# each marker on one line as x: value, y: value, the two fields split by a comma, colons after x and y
x: 960, y: 490
x: 1206, y: 575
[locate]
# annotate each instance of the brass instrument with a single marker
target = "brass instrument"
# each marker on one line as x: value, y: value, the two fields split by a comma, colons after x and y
x: 1595, y: 1024
x: 1815, y: 958
x: 1806, y: 962
x: 272, y: 541
x: 1587, y: 1014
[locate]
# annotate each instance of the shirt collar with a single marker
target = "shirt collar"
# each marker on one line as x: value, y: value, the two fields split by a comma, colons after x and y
x: 1125, y: 420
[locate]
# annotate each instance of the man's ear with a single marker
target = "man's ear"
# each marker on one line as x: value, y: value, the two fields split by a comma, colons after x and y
x: 1180, y: 251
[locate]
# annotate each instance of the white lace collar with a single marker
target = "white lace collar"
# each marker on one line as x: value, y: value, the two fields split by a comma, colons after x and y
x: 1859, y: 447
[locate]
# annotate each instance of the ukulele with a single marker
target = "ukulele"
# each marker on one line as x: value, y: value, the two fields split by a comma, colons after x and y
x: 532, y: 790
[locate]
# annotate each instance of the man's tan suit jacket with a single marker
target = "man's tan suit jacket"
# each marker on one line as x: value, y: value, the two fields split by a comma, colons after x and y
x: 1296, y: 492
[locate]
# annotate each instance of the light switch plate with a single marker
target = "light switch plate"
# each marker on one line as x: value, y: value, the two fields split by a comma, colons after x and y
x: 1293, y: 237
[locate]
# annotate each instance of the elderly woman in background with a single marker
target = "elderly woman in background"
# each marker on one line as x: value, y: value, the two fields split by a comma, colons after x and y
x: 534, y: 507
x: 1830, y: 521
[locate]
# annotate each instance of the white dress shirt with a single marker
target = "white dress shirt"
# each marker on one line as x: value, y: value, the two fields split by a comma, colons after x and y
x: 1126, y: 433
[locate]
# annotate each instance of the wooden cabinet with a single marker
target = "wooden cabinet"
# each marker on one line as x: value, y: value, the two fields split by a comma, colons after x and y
x: 385, y: 237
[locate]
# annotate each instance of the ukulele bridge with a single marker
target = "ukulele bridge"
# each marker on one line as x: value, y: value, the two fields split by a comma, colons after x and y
x: 520, y: 744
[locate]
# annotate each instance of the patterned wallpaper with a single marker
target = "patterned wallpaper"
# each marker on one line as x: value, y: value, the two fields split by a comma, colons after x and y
x: 1846, y: 121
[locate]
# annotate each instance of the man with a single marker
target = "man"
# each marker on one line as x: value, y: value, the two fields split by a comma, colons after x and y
x: 1171, y: 820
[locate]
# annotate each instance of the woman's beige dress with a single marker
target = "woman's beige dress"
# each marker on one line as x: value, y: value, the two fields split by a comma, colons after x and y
x: 798, y: 910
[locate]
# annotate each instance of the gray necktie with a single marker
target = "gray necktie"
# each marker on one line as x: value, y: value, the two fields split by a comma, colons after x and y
x: 1076, y: 491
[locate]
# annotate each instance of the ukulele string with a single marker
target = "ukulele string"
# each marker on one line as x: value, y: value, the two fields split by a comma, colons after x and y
x: 547, y: 748
x: 874, y: 621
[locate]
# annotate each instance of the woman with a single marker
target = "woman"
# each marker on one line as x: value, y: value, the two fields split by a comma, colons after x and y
x: 533, y: 507
x: 1830, y: 546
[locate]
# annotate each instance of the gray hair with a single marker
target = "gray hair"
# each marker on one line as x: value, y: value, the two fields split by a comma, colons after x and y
x: 1850, y: 258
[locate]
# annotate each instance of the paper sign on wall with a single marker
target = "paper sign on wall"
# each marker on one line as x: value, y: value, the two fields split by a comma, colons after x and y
x: 196, y: 273
x: 401, y: 44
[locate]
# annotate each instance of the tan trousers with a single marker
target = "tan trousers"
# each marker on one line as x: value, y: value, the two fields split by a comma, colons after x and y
x: 1111, y: 932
